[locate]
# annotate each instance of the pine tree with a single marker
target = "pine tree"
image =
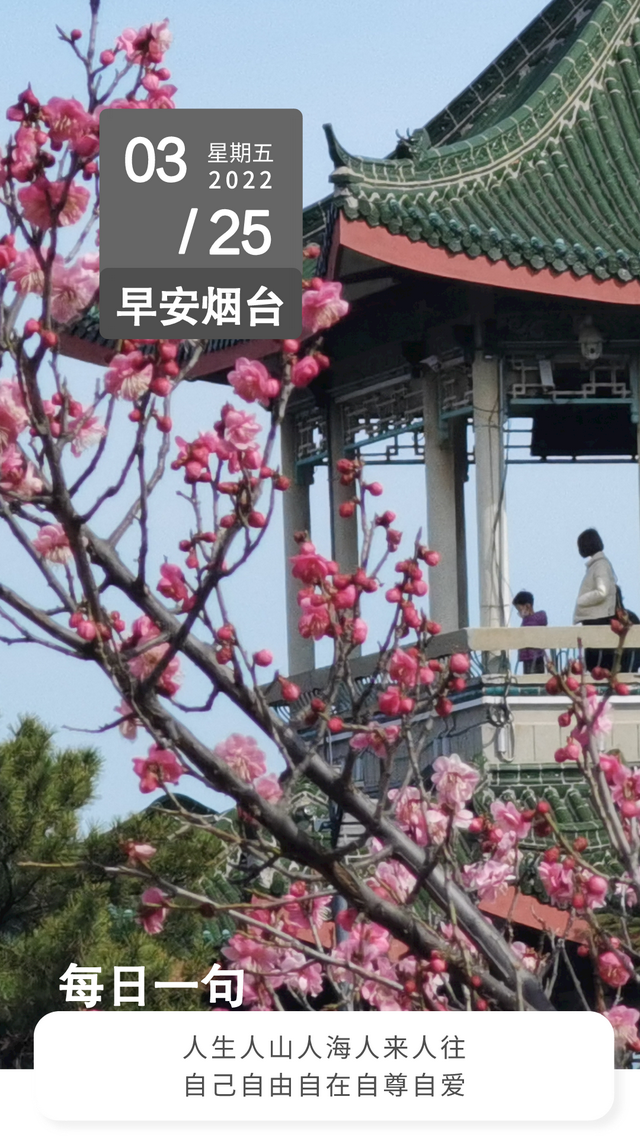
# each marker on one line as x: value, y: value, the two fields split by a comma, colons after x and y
x: 50, y: 917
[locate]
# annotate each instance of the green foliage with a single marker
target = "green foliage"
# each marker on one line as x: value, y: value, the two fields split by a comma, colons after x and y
x: 58, y: 911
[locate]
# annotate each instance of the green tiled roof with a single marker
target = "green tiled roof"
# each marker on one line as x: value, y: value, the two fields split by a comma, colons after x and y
x: 539, y: 163
x: 565, y: 788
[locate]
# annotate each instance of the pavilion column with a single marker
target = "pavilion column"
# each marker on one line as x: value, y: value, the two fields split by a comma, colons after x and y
x: 442, y: 512
x: 296, y: 517
x: 634, y: 376
x: 490, y: 494
x: 344, y: 531
x: 461, y: 463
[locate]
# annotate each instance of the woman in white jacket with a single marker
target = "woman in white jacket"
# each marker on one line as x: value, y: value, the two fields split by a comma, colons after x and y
x: 596, y: 603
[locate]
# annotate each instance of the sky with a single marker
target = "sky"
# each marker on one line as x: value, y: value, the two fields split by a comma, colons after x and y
x: 371, y: 69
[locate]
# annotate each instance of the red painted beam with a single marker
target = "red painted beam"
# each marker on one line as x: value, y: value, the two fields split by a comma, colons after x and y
x: 223, y: 360
x: 522, y: 909
x: 396, y: 249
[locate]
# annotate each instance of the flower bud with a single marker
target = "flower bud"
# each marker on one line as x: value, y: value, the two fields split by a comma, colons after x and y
x: 263, y: 658
x: 290, y: 692
x: 444, y: 707
x: 160, y: 386
x: 107, y: 58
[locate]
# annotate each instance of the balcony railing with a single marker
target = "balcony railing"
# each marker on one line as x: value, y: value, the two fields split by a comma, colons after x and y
x: 493, y: 652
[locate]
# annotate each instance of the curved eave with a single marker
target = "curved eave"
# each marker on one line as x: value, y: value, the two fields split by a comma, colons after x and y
x: 210, y: 365
x: 420, y: 257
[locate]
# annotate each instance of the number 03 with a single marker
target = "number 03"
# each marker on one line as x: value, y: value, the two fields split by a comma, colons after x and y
x: 175, y: 158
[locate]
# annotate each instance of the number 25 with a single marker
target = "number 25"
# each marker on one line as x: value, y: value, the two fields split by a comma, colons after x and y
x: 250, y: 226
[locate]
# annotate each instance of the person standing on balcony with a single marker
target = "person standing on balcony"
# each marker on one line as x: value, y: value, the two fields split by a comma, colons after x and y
x: 596, y: 603
x: 532, y: 658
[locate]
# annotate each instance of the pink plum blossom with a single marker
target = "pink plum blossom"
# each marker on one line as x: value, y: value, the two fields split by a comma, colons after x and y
x: 315, y: 621
x: 403, y: 668
x: 597, y: 723
x: 18, y: 475
x: 454, y: 780
x: 242, y: 755
x: 128, y: 728
x: 322, y: 306
x: 24, y: 154
x: 153, y: 911
x: 26, y: 272
x: 595, y: 889
x: 128, y: 376
x: 615, y: 968
x: 41, y: 199
x: 268, y: 787
x: 143, y: 665
x: 172, y: 583
x: 147, y: 45
x: 67, y: 120
x: 510, y: 819
x: 304, y: 371
x: 52, y: 543
x: 252, y: 382
x: 378, y: 739
x: 624, y: 1022
x: 527, y: 956
x: 310, y: 567
x: 73, y: 287
x: 159, y: 767
x: 393, y: 881
x: 138, y: 851
x: 426, y: 824
x: 488, y: 878
x: 85, y: 429
x: 13, y: 413
x: 558, y: 881
x: 240, y: 427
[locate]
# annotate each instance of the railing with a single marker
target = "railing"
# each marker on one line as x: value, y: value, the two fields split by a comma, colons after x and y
x: 488, y: 648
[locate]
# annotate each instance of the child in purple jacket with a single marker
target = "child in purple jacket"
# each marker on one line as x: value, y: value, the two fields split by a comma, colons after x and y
x: 532, y: 658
